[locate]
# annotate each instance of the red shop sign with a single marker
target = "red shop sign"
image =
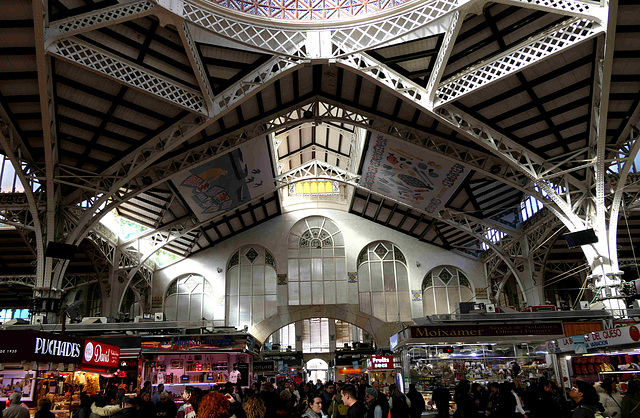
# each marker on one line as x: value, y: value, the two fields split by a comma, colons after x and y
x: 100, y: 354
x: 380, y: 363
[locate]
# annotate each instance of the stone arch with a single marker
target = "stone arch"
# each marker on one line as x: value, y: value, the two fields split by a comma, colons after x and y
x: 378, y: 330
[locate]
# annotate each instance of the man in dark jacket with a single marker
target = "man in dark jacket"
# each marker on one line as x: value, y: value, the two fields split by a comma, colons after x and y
x: 382, y: 399
x: 417, y: 402
x: 441, y: 398
x: 350, y: 398
x: 128, y: 410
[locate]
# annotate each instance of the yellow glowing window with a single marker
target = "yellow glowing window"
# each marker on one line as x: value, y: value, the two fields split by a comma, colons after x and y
x: 314, y: 188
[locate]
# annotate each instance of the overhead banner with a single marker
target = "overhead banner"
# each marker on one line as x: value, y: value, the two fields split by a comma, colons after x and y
x: 497, y: 330
x: 227, y: 182
x: 32, y: 345
x: 100, y: 354
x: 264, y: 366
x: 415, y: 176
x: 599, y: 339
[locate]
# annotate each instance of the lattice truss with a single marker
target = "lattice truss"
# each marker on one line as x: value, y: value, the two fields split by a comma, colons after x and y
x: 367, y: 35
x: 316, y: 170
x: 86, y: 55
x: 104, y: 17
x: 24, y: 280
x: 556, y: 39
x: 556, y: 194
x: 529, y: 251
x: 277, y: 40
x: 383, y: 75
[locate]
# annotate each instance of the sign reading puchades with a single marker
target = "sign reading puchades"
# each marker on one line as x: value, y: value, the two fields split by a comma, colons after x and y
x: 100, y: 354
x: 493, y: 330
x: 228, y: 181
x: 380, y: 363
x: 32, y: 345
x: 412, y: 175
x: 597, y: 340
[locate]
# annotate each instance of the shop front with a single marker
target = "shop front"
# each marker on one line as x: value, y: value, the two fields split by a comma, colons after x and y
x: 436, y: 355
x: 381, y: 369
x: 202, y: 361
x: 592, y: 356
x: 54, y: 366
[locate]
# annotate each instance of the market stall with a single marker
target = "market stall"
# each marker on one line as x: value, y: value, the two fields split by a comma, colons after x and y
x: 445, y: 354
x: 54, y: 366
x: 594, y: 355
x: 202, y: 360
x: 381, y: 369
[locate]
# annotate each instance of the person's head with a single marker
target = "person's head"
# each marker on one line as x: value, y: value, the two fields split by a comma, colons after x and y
x: 214, y: 405
x: 376, y: 386
x: 349, y: 394
x: 395, y: 390
x: 412, y: 386
x: 14, y: 399
x: 267, y: 387
x: 583, y: 391
x: 330, y: 387
x: 147, y: 384
x: 188, y: 394
x: 110, y: 399
x: 128, y: 402
x: 45, y: 404
x: 286, y: 395
x: 164, y: 396
x: 146, y: 396
x: 160, y: 388
x: 463, y: 387
x: 85, y: 401
x: 315, y: 403
x: 370, y: 395
x: 494, y: 387
x: 609, y: 384
x: 633, y: 386
x: 100, y: 401
x: 254, y: 407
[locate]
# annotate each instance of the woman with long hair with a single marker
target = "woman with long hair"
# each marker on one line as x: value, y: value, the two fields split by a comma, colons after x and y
x: 315, y: 407
x: 214, y: 405
x: 610, y: 397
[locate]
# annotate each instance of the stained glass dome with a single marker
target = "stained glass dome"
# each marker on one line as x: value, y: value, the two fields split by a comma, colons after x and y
x: 309, y: 9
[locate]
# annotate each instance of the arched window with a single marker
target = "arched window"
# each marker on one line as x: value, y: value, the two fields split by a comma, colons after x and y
x: 317, y: 263
x: 383, y: 282
x: 443, y: 288
x: 189, y: 297
x: 251, y: 286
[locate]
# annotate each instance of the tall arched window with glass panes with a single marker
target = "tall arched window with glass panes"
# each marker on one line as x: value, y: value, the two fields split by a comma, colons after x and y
x: 251, y: 286
x: 443, y: 288
x: 383, y: 282
x: 317, y: 272
x: 189, y: 298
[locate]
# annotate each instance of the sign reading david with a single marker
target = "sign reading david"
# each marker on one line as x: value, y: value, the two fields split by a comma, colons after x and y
x: 410, y: 174
x: 100, y: 354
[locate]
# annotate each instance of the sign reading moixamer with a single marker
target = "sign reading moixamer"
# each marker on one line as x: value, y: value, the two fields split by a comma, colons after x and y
x: 497, y: 330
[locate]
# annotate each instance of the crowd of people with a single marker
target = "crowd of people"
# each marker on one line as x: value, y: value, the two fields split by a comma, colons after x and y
x: 509, y: 399
x: 540, y: 399
x: 262, y: 400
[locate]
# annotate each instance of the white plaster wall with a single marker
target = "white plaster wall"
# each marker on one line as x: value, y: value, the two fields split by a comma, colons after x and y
x: 357, y: 232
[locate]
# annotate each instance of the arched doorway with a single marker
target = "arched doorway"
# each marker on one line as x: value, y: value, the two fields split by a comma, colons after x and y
x: 317, y: 369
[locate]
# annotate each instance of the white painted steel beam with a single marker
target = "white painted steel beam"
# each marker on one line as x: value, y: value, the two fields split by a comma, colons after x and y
x: 528, y: 53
